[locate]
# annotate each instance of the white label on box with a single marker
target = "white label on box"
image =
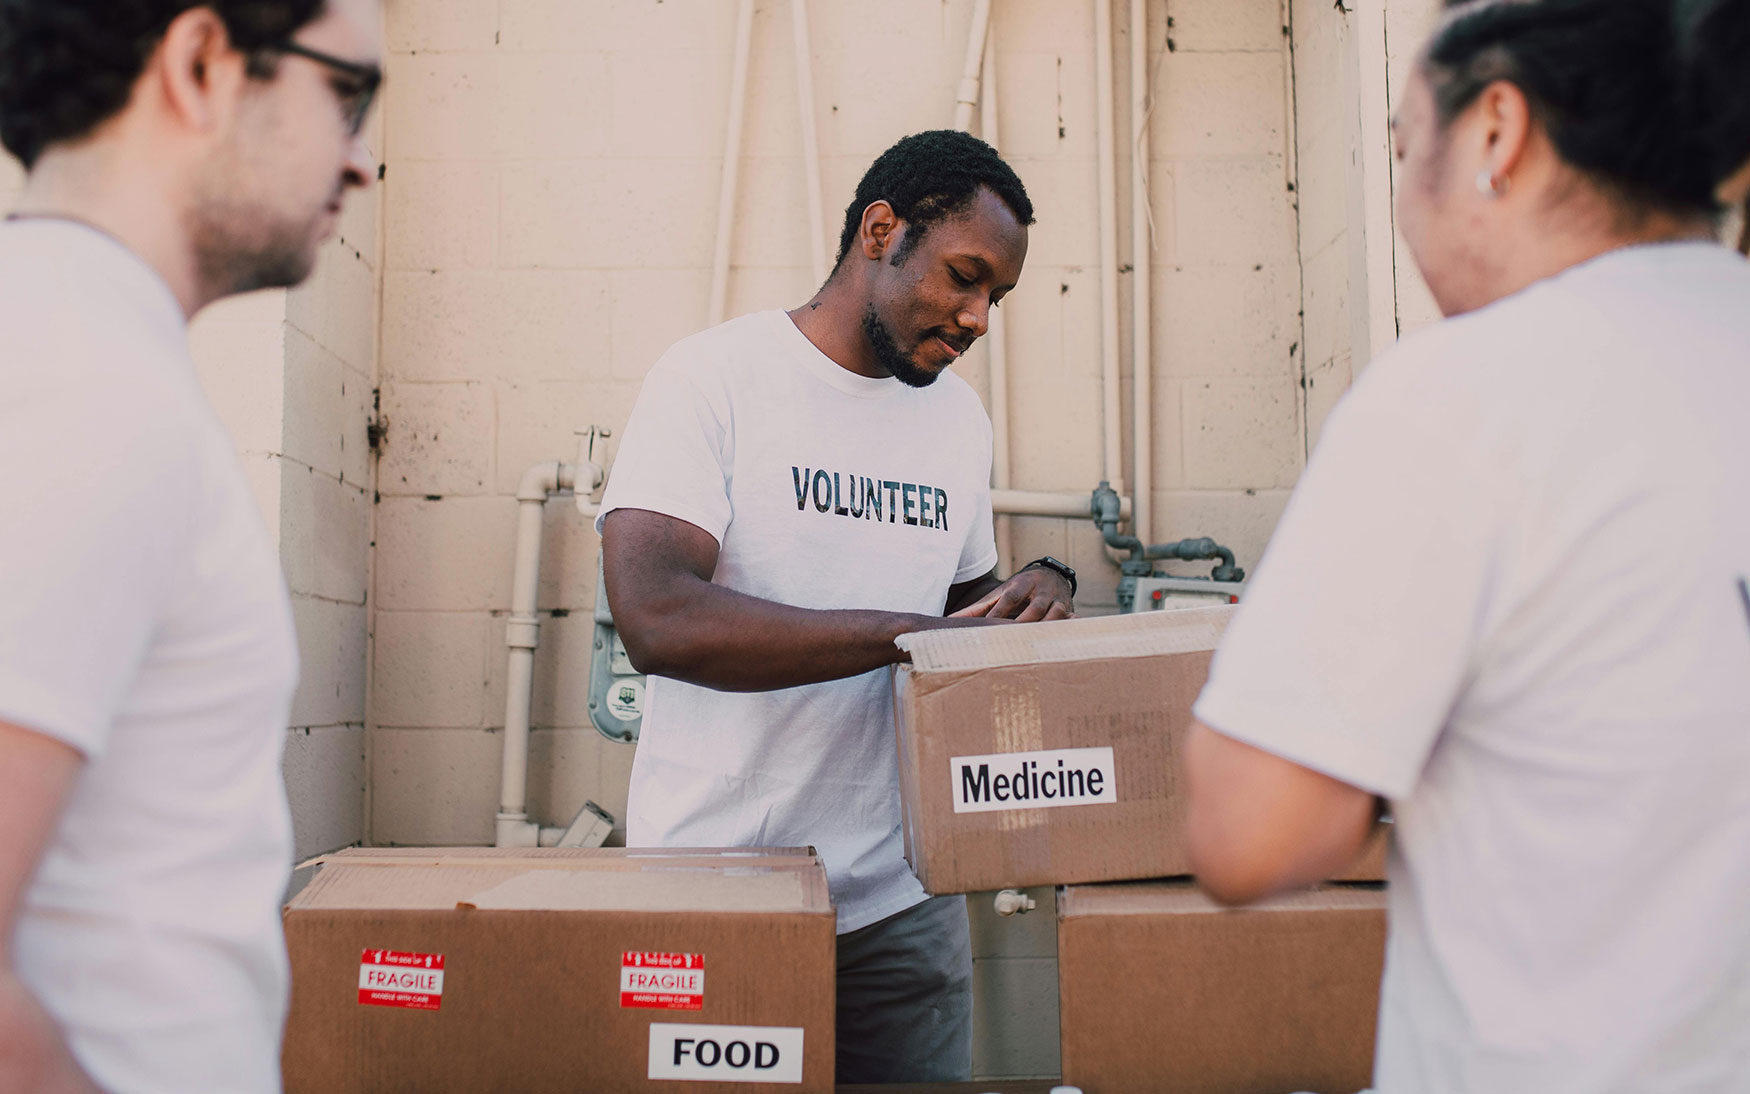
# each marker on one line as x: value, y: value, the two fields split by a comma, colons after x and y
x: 663, y: 981
x: 726, y: 1054
x: 1033, y: 780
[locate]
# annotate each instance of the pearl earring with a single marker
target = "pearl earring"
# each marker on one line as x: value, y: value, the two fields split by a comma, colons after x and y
x: 1490, y: 186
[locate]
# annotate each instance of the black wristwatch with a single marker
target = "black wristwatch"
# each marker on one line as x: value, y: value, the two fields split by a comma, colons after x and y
x: 1050, y: 563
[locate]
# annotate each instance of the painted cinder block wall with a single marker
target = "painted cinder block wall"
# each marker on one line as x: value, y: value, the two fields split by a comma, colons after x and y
x: 550, y: 204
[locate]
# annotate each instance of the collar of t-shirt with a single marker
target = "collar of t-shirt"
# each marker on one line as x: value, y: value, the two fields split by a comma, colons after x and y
x: 103, y: 260
x: 808, y: 356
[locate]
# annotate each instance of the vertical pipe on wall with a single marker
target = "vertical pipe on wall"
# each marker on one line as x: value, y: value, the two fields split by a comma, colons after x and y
x: 1111, y: 463
x: 966, y: 97
x: 731, y: 164
x: 998, y: 334
x: 1141, y: 294
x: 810, y: 141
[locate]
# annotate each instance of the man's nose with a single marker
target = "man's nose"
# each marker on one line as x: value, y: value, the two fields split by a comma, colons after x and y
x: 975, y: 317
x: 360, y: 166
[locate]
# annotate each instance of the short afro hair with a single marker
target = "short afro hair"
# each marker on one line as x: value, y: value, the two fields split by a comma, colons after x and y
x: 1602, y: 79
x: 67, y: 66
x: 928, y: 177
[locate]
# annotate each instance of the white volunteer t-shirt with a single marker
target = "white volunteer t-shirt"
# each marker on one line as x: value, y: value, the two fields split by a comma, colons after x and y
x: 824, y: 489
x: 143, y: 620
x: 1510, y: 596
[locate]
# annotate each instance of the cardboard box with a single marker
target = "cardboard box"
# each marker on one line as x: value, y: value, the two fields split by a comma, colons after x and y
x: 1050, y: 754
x: 483, y: 969
x: 1161, y: 990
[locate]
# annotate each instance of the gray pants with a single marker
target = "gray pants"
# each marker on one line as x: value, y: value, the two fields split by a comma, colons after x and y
x: 905, y: 997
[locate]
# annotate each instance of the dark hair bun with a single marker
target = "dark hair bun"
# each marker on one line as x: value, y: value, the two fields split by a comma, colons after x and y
x: 1713, y: 50
x: 1603, y: 79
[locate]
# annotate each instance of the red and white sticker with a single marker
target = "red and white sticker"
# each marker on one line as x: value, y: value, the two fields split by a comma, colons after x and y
x: 392, y: 978
x: 662, y: 981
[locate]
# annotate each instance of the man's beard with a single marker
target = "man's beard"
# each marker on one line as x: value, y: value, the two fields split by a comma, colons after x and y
x: 889, y: 356
x: 235, y: 257
x: 242, y: 242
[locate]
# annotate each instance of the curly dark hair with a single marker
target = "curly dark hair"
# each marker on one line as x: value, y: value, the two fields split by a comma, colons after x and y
x: 68, y: 65
x: 1602, y: 79
x: 928, y: 177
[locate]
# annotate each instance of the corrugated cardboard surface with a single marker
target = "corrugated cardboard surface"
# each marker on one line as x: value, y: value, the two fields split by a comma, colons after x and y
x: 1163, y: 991
x: 1123, y: 682
x: 532, y: 942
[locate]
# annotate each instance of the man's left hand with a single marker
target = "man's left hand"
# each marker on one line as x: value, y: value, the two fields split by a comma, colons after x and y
x: 1034, y: 594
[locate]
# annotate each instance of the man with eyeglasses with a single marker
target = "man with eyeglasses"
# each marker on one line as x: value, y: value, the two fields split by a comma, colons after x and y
x: 177, y: 153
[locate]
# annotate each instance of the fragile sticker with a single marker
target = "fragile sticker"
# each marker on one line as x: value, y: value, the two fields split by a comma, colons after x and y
x: 726, y: 1054
x: 393, y: 978
x: 1033, y: 780
x: 662, y: 981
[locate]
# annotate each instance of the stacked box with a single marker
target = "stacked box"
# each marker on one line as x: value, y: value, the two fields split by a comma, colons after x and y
x: 1050, y: 753
x: 471, y: 969
x: 1163, y: 991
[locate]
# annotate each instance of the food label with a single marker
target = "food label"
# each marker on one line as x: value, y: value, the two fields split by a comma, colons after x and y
x: 1033, y: 780
x: 726, y: 1054
x: 392, y: 978
x: 663, y: 981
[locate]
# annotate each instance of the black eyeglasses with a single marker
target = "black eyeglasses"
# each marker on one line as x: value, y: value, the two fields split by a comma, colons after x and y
x: 355, y: 96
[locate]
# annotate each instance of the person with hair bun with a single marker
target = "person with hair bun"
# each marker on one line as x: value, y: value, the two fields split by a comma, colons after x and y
x: 1542, y: 666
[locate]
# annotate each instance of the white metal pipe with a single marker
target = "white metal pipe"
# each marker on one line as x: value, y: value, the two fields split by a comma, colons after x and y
x: 522, y: 633
x: 966, y: 97
x: 1045, y: 503
x: 1112, y: 461
x: 731, y: 164
x: 1141, y: 288
x: 998, y: 336
x: 810, y: 141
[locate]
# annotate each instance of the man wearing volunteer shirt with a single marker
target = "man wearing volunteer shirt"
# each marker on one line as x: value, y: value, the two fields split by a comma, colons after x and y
x: 177, y: 153
x: 1547, y: 674
x: 794, y: 491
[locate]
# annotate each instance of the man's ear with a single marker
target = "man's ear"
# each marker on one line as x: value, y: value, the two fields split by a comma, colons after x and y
x: 196, y: 69
x: 881, y: 230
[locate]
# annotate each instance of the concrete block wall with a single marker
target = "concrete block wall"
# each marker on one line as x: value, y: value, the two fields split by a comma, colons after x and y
x: 549, y: 217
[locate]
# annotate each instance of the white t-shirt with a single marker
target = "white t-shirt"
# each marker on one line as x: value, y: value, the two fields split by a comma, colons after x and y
x: 1510, y: 596
x: 143, y: 621
x: 823, y: 489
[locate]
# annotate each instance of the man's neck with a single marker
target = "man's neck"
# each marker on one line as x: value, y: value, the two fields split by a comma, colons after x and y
x: 833, y: 321
x: 88, y: 183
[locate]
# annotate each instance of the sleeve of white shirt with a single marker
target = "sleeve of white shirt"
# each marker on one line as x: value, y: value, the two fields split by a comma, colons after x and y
x: 98, y: 518
x: 979, y: 556
x: 1359, y: 629
x: 673, y: 458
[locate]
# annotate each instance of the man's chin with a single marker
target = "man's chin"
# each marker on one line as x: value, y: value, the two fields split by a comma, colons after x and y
x: 912, y: 374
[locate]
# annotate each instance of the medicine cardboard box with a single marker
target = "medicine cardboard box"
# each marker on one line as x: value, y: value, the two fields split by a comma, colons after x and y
x: 1162, y: 991
x: 1048, y: 753
x: 481, y: 969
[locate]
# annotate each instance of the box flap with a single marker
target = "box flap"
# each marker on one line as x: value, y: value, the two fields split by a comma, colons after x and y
x: 524, y: 880
x: 588, y: 858
x: 1184, y: 898
x: 1142, y: 634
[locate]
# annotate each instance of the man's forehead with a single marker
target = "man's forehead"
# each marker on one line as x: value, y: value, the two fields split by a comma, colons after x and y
x: 351, y: 29
x: 984, y: 223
